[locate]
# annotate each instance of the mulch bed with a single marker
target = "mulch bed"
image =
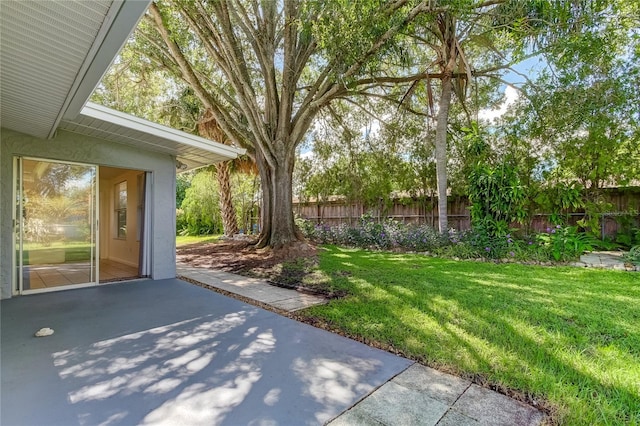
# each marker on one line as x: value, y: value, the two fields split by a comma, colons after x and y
x: 285, y: 268
x: 230, y: 256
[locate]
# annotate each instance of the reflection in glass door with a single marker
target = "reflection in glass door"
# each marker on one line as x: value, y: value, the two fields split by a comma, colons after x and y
x: 56, y: 232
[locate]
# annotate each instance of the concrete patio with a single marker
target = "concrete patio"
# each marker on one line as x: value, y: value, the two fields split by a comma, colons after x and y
x: 168, y: 352
x: 418, y: 396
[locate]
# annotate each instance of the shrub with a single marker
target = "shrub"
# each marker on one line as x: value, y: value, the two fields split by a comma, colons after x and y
x: 566, y: 243
x: 369, y: 233
x: 306, y: 227
x: 633, y: 256
x: 424, y: 238
x: 497, y: 198
x: 557, y: 244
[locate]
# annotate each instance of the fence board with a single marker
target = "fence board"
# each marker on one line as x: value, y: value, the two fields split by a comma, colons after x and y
x: 623, y: 201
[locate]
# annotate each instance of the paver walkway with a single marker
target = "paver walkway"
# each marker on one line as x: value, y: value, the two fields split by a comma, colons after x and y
x: 251, y: 288
x: 424, y: 396
x: 417, y: 396
x: 605, y: 260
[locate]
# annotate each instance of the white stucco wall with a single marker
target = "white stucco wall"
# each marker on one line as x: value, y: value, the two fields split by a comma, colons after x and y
x: 68, y: 146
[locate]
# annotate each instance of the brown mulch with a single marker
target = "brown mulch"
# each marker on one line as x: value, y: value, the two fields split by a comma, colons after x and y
x: 280, y: 267
x: 231, y: 255
x: 240, y: 255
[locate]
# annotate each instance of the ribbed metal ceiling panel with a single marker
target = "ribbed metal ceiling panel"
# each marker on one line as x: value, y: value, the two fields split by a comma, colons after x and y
x: 43, y: 45
x: 47, y: 48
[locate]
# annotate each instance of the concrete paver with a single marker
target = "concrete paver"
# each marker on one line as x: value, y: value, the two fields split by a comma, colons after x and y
x: 605, y: 260
x: 355, y: 417
x: 393, y: 404
x: 454, y: 418
x: 491, y: 408
x: 433, y: 383
x: 296, y: 303
x: 423, y: 396
x: 251, y: 288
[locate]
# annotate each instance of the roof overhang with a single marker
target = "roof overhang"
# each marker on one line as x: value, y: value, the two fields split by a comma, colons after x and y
x: 52, y: 56
x: 122, y: 21
x: 108, y: 124
x: 54, y: 53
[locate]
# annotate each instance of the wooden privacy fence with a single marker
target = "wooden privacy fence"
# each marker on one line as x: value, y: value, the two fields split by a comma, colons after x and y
x: 625, y: 204
x: 419, y: 211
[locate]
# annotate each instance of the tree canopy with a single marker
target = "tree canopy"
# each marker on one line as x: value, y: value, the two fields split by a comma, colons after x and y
x: 265, y: 69
x: 270, y: 73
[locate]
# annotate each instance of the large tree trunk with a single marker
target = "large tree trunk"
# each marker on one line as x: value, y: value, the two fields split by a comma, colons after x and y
x: 209, y: 128
x: 441, y: 152
x: 278, y: 228
x: 266, y: 100
x: 265, y: 206
x: 227, y: 210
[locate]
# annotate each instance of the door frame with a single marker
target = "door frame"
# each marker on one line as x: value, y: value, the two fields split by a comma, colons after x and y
x: 17, y: 281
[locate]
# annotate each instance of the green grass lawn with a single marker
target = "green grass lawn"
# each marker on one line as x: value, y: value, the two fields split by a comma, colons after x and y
x: 183, y: 240
x: 568, y: 336
x: 56, y: 252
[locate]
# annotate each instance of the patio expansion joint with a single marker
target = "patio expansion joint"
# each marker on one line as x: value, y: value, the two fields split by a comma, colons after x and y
x: 454, y: 403
x: 367, y: 395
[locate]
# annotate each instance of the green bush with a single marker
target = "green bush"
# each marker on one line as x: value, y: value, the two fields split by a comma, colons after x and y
x: 566, y: 243
x: 200, y: 211
x: 558, y: 244
x: 369, y: 233
x: 633, y: 256
x: 497, y: 198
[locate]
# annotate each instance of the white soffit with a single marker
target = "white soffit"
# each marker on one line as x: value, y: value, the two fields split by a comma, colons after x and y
x: 111, y: 125
x: 53, y: 53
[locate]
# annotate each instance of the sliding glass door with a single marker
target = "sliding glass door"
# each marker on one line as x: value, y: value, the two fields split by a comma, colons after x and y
x: 56, y: 232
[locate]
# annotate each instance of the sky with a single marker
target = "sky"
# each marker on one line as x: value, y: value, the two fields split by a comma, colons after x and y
x: 510, y: 96
x: 531, y: 68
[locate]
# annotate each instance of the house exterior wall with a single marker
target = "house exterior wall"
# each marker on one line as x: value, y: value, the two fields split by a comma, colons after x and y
x: 68, y: 146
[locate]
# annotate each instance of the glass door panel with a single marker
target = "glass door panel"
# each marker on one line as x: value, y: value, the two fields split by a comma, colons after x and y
x: 57, y: 224
x: 17, y: 233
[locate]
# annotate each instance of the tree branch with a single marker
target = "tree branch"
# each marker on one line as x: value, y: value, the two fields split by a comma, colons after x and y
x: 190, y: 77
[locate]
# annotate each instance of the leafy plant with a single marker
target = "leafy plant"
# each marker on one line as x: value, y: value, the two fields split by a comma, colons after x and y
x: 633, y: 256
x: 497, y: 198
x: 628, y: 229
x: 566, y: 243
x: 559, y: 200
x: 558, y: 244
x: 306, y: 227
x: 460, y: 250
x: 594, y: 210
x: 369, y: 233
